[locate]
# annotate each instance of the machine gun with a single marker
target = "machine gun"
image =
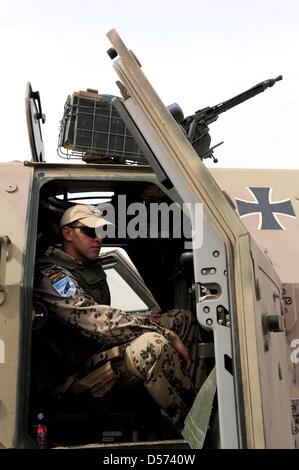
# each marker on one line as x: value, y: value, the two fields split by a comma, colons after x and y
x: 196, y: 125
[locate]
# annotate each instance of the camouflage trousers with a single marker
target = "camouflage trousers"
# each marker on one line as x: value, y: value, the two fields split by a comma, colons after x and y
x: 151, y: 358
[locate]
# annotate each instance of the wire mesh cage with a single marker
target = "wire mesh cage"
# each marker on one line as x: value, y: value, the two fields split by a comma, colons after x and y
x: 92, y: 130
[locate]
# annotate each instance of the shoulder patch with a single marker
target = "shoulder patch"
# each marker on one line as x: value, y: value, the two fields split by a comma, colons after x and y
x: 64, y: 286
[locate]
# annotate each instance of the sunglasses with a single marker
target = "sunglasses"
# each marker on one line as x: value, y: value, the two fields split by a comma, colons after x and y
x: 88, y: 231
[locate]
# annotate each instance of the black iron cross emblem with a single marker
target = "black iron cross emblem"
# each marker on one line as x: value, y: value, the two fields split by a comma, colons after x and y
x: 266, y: 209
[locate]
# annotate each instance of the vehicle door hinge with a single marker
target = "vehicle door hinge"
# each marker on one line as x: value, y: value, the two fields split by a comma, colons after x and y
x: 5, y: 254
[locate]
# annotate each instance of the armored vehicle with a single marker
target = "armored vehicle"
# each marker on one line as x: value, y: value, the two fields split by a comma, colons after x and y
x: 234, y: 266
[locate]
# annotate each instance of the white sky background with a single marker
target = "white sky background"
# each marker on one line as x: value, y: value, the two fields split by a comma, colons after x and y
x: 196, y: 53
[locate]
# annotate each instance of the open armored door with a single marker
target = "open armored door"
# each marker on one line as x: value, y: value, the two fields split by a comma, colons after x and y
x: 35, y: 116
x: 237, y: 291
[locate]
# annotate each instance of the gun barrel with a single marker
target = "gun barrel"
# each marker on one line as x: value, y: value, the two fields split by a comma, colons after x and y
x: 211, y: 114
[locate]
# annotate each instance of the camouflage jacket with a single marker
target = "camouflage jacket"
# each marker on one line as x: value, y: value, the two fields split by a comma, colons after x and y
x: 62, y: 294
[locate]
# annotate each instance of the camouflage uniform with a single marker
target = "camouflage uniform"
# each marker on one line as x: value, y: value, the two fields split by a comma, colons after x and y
x: 147, y: 353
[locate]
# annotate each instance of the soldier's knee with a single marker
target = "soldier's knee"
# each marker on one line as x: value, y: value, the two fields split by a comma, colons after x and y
x: 187, y: 314
x: 182, y: 317
x: 145, y: 352
x: 153, y: 344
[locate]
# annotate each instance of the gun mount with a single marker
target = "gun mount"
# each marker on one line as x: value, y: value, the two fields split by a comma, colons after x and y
x: 196, y: 125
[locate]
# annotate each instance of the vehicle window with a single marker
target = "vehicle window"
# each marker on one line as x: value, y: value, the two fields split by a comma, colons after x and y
x: 93, y: 198
x: 122, y: 295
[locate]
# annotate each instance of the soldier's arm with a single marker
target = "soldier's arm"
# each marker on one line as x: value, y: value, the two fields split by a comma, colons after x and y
x: 63, y: 296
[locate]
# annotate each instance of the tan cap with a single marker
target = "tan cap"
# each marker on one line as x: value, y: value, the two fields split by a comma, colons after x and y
x: 87, y: 215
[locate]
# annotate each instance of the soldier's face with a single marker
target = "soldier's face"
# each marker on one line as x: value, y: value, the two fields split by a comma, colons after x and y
x: 84, y: 243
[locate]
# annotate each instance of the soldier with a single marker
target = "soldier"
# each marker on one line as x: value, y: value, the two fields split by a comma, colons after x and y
x: 160, y: 350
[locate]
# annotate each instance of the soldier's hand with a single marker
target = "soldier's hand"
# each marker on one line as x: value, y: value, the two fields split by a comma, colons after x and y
x: 154, y: 317
x: 179, y: 346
